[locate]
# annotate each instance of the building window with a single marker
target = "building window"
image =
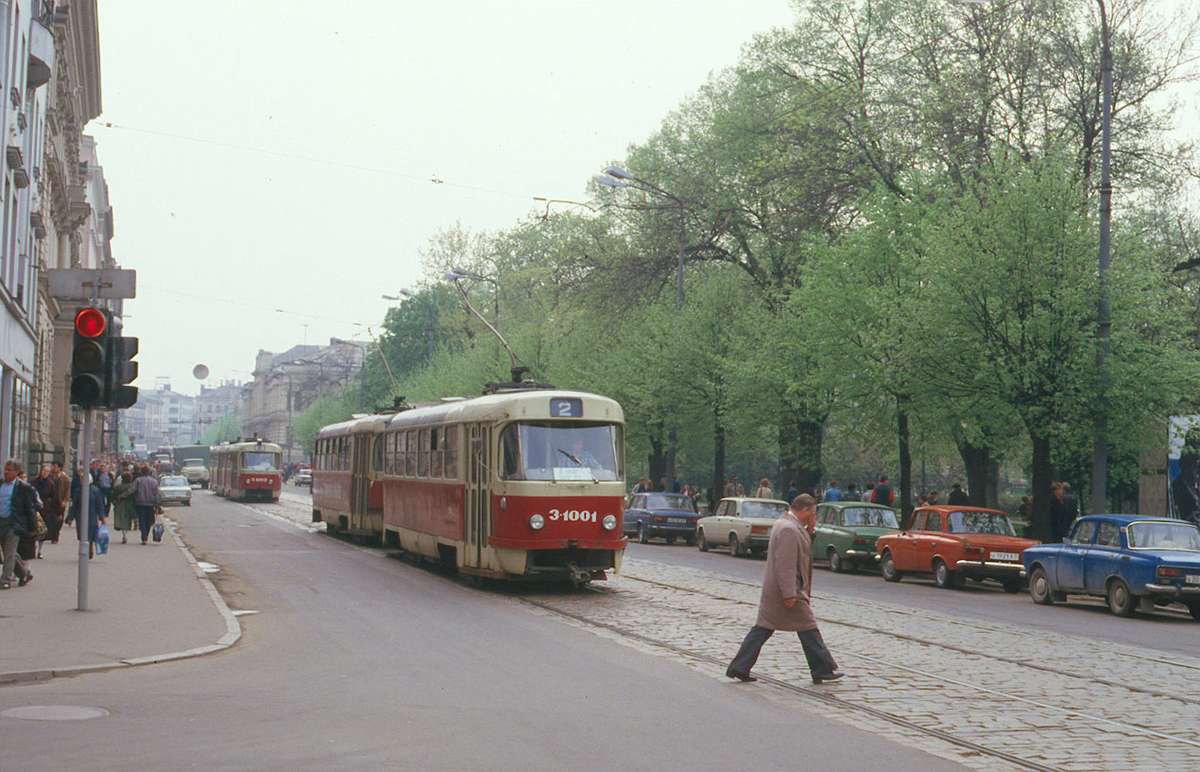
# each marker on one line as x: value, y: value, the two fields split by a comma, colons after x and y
x: 19, y: 439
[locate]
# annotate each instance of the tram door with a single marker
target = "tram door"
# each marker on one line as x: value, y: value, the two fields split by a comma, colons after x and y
x: 478, y: 503
x: 360, y: 464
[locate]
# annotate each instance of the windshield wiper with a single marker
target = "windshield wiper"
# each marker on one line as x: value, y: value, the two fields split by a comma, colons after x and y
x: 581, y: 464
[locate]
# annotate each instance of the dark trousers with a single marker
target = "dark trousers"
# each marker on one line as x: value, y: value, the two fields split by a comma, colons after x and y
x: 820, y: 661
x: 145, y: 519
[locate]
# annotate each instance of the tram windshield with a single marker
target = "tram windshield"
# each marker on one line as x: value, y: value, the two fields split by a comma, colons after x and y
x: 560, y: 451
x: 260, y: 462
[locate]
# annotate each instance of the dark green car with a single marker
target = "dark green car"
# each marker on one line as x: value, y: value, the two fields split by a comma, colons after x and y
x: 846, y: 533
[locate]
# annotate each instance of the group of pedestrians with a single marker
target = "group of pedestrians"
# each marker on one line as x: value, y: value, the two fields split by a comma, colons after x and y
x: 880, y: 493
x: 33, y: 514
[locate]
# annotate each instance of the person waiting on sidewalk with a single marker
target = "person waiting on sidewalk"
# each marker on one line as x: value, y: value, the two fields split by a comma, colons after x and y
x: 17, y: 518
x: 96, y: 514
x: 958, y: 497
x: 832, y: 493
x: 764, y: 490
x: 785, y: 603
x: 123, y: 511
x: 146, y: 501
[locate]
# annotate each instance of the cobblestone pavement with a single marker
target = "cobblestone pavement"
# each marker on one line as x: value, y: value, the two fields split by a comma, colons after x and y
x: 1057, y: 701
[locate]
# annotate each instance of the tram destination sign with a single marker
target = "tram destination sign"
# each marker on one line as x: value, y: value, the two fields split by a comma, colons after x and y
x: 92, y: 283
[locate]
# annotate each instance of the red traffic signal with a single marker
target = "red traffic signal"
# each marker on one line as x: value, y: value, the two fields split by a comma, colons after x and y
x: 90, y: 322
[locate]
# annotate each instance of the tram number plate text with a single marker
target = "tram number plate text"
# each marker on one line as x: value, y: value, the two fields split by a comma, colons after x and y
x: 573, y: 515
x: 1004, y: 556
x: 1192, y: 579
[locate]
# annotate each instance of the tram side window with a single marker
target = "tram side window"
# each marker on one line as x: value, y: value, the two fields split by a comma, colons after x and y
x: 452, y: 452
x: 437, y: 439
x: 410, y: 454
x: 393, y: 453
x: 399, y: 450
x: 423, y: 453
x: 377, y: 455
x: 343, y: 464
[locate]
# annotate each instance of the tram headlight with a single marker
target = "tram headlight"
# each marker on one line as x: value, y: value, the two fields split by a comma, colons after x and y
x: 609, y: 522
x: 537, y: 522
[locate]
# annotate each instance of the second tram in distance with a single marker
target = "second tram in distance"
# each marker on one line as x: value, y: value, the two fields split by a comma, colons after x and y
x: 522, y: 483
x: 246, y: 471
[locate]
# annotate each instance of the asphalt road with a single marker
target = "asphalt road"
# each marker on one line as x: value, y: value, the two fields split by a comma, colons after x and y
x: 357, y: 660
x: 1165, y: 630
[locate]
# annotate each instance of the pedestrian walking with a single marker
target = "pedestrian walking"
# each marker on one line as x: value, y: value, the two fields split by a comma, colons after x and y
x: 933, y: 498
x: 46, y: 486
x: 1070, y: 503
x: 734, y: 488
x: 764, y: 490
x: 96, y: 514
x: 18, y: 516
x: 851, y: 493
x: 832, y: 493
x: 883, y: 493
x: 958, y: 497
x: 640, y: 486
x: 146, y: 501
x: 123, y: 512
x: 792, y: 491
x: 786, y: 600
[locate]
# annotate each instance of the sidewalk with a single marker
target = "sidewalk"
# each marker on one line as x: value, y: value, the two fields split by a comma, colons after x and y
x: 145, y: 604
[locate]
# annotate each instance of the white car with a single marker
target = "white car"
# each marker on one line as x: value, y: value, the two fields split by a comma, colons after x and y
x: 743, y: 524
x: 303, y: 477
x: 175, y: 489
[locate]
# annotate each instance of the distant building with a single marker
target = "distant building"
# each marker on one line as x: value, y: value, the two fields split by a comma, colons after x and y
x: 161, y: 418
x: 218, y: 407
x: 285, y: 384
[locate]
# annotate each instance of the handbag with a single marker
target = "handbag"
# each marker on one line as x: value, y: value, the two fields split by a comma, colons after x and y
x: 40, y: 531
x: 102, y: 539
x: 156, y: 532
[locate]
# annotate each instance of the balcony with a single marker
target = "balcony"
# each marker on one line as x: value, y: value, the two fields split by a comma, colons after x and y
x: 41, y: 56
x: 37, y: 224
x: 14, y: 156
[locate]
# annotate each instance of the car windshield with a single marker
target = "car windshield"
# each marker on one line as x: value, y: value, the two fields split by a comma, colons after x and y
x: 561, y: 451
x: 769, y: 509
x: 882, y: 518
x: 667, y: 501
x: 1164, y: 536
x: 174, y: 482
x: 981, y: 522
x: 194, y: 462
x: 260, y: 462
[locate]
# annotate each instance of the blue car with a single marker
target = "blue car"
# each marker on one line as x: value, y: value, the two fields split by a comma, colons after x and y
x: 1129, y: 560
x: 661, y: 515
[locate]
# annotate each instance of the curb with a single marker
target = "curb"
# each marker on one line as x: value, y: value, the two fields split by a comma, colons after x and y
x: 233, y: 632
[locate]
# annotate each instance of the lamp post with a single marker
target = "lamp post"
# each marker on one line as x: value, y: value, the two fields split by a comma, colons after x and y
x: 1100, y: 447
x: 616, y: 177
x: 405, y: 292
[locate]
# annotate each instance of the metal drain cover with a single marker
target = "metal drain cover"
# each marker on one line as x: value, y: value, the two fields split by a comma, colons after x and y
x: 55, y: 713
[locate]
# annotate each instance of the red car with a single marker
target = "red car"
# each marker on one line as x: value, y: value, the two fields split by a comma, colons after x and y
x: 954, y: 544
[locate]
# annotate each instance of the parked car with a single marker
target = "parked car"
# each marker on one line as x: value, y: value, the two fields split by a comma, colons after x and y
x: 743, y: 524
x: 175, y: 489
x: 954, y: 544
x: 1129, y: 560
x: 661, y: 515
x: 303, y: 477
x: 846, y: 533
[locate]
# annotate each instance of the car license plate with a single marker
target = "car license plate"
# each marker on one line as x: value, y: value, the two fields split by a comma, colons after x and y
x: 1192, y: 578
x: 1005, y: 556
x: 677, y: 519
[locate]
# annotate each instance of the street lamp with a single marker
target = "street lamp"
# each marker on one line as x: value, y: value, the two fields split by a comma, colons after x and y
x: 405, y: 292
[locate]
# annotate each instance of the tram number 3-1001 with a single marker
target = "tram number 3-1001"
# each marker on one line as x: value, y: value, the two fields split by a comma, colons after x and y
x: 573, y: 515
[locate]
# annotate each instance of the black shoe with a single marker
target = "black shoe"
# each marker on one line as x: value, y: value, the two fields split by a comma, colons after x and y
x: 819, y: 677
x: 26, y: 579
x: 730, y: 673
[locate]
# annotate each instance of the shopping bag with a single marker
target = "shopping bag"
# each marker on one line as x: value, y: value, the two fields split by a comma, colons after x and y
x: 102, y: 539
x: 157, y: 531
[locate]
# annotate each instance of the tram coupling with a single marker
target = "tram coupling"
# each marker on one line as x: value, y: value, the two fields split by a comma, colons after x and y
x: 579, y: 577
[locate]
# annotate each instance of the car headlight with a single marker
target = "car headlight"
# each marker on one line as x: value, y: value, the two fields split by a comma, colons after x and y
x: 609, y: 522
x: 537, y: 522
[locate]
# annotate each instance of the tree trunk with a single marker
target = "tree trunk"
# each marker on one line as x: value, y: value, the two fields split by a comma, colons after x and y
x: 977, y: 460
x: 1043, y: 472
x: 906, y: 499
x: 718, y: 477
x: 657, y: 459
x: 993, y: 484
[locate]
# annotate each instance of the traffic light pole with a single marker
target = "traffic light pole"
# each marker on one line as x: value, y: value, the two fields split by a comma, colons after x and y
x: 85, y: 496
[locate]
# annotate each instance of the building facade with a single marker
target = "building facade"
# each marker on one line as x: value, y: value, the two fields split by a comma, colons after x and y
x: 219, y: 412
x: 285, y: 384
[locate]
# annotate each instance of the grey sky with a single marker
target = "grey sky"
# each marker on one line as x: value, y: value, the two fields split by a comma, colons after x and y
x: 521, y: 99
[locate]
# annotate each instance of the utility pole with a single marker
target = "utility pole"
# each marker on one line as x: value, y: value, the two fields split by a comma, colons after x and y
x: 1100, y: 447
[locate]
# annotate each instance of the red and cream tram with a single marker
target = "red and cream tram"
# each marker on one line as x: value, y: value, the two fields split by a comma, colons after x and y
x: 246, y: 470
x: 347, y: 493
x: 515, y: 484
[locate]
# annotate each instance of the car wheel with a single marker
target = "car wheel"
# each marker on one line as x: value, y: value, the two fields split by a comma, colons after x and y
x: 943, y: 577
x: 1011, y: 586
x: 1039, y: 587
x: 701, y: 542
x: 835, y: 561
x: 1195, y: 610
x: 643, y: 537
x: 670, y: 539
x: 888, y: 568
x: 1121, y: 601
x: 735, y: 546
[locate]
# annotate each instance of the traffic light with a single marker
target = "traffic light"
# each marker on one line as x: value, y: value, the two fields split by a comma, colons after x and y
x: 89, y: 358
x: 121, y: 371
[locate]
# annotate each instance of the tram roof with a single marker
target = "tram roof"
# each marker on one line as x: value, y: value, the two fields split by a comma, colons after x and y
x: 228, y: 447
x: 356, y: 425
x: 531, y: 404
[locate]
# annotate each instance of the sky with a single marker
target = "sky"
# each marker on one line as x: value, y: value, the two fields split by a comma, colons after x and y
x: 238, y: 250
x: 270, y: 163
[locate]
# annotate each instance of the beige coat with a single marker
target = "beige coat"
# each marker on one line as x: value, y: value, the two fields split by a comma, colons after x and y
x: 789, y: 575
